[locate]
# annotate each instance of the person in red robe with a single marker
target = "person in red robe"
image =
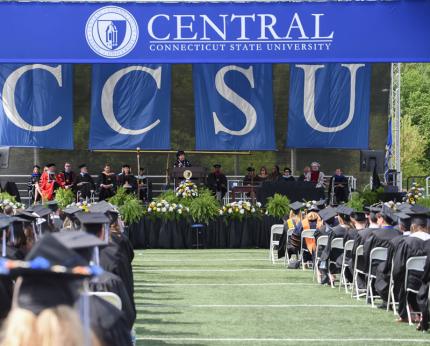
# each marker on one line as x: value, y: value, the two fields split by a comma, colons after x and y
x: 50, y: 181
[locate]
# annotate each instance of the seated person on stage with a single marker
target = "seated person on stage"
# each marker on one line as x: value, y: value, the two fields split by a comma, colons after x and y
x: 127, y: 180
x: 68, y: 176
x: 263, y: 174
x: 50, y: 181
x: 275, y: 175
x: 217, y: 182
x: 144, y: 186
x: 84, y: 182
x: 250, y: 178
x: 315, y: 175
x: 340, y: 186
x: 287, y: 175
x: 311, y: 221
x: 302, y: 177
x: 106, y: 183
x: 405, y: 248
x: 181, y: 161
x: 33, y: 184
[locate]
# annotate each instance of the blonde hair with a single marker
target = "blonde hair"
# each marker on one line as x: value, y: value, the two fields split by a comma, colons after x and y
x: 295, y: 217
x: 52, y: 327
x: 314, y: 216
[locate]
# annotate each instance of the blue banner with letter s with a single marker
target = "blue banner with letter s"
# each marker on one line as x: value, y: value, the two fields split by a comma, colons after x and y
x: 36, y: 106
x: 329, y: 106
x: 234, y: 108
x: 130, y: 106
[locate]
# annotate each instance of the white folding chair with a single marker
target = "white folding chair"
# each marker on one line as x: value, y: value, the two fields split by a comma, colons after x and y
x: 306, y: 234
x: 336, y: 243
x: 276, y: 230
x: 287, y: 256
x: 417, y: 264
x: 355, y: 289
x: 110, y: 297
x: 377, y: 254
x: 347, y: 247
x: 391, y: 298
x: 321, y: 241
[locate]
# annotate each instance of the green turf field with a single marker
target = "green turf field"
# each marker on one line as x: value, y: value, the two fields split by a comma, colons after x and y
x: 237, y: 297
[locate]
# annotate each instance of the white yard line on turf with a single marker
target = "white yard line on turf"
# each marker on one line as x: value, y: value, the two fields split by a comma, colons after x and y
x: 226, y: 284
x: 253, y: 306
x: 207, y: 270
x: 206, y: 260
x: 293, y: 340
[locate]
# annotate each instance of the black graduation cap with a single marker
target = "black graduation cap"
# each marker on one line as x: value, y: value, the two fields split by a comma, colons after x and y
x: 388, y: 213
x: 5, y: 221
x: 344, y: 210
x: 320, y: 204
x: 402, y: 215
x: 375, y: 208
x: 28, y: 216
x: 82, y: 165
x: 418, y: 214
x: 52, y: 205
x: 92, y: 222
x: 404, y: 207
x: 327, y: 213
x: 250, y: 169
x: 102, y: 207
x: 78, y: 239
x: 359, y: 216
x: 71, y: 210
x: 39, y: 210
x: 217, y: 165
x: 50, y: 165
x: 296, y: 205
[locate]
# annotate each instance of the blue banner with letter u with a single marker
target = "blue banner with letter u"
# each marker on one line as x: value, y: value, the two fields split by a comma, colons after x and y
x: 130, y: 107
x: 36, y: 106
x: 329, y: 106
x: 234, y: 108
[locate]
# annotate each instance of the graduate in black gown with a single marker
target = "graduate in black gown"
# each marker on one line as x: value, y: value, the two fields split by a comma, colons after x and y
x: 127, y: 180
x: 217, y: 182
x: 381, y: 237
x: 106, y: 183
x: 88, y: 245
x: 423, y: 293
x: 84, y: 182
x: 6, y: 283
x: 410, y: 246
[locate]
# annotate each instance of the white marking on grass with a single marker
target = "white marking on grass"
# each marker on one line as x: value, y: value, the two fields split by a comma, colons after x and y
x: 206, y: 270
x: 293, y: 340
x: 253, y: 306
x: 225, y: 284
x: 208, y: 260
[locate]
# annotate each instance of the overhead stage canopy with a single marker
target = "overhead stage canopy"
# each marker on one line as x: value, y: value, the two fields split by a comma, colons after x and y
x: 271, y: 32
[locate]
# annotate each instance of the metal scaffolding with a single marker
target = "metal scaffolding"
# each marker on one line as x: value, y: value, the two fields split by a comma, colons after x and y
x: 395, y: 113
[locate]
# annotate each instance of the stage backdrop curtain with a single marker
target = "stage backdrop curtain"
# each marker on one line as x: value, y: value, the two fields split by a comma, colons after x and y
x: 329, y: 106
x: 130, y: 106
x: 234, y: 107
x: 36, y: 105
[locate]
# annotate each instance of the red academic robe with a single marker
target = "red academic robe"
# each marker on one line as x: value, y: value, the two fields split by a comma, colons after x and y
x: 47, y: 186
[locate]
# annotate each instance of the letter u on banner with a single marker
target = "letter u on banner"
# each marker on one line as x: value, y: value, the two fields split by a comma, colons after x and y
x: 329, y: 106
x: 36, y: 106
x: 130, y: 107
x: 234, y: 107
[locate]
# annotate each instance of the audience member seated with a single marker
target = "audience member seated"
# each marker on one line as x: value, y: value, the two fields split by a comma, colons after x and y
x: 339, y: 185
x: 84, y: 183
x: 287, y: 175
x: 50, y: 181
x: 217, y: 182
x: 106, y: 183
x: 127, y: 180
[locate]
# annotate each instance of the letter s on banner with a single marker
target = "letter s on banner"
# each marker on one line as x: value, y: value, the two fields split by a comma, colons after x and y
x: 329, y: 106
x: 234, y: 108
x: 238, y: 101
x: 130, y: 106
x: 36, y: 105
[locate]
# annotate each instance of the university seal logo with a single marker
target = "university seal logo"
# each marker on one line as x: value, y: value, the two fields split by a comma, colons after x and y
x: 111, y: 32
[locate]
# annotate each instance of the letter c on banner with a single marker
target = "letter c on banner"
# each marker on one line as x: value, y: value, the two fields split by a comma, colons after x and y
x: 107, y: 99
x: 8, y: 96
x: 309, y: 97
x: 238, y: 101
